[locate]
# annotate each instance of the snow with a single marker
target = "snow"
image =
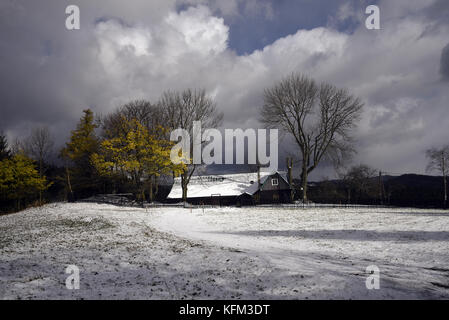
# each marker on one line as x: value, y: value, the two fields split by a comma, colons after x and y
x: 223, y: 253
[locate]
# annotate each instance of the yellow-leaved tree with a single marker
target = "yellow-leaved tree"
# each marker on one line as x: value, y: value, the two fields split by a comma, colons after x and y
x: 20, y: 180
x: 136, y: 154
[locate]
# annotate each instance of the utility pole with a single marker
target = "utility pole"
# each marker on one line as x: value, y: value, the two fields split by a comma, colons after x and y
x: 258, y: 183
x: 443, y: 162
x: 290, y: 179
x: 381, y: 188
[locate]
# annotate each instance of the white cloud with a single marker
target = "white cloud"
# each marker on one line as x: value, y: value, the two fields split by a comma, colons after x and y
x: 201, y: 32
x: 231, y: 9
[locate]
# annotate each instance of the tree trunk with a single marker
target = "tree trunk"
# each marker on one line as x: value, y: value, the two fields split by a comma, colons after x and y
x: 151, y: 189
x: 70, y: 198
x: 445, y: 192
x: 184, y: 186
x: 444, y: 180
x: 304, y: 184
x: 184, y: 193
x: 40, y: 176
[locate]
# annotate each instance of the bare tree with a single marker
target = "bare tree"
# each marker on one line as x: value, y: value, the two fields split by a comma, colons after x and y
x: 358, y: 181
x: 181, y: 109
x: 146, y: 113
x: 319, y: 118
x: 39, y: 146
x: 17, y: 146
x: 438, y: 161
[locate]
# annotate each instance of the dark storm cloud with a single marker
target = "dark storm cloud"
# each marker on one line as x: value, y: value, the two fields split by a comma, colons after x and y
x: 438, y: 12
x: 436, y: 15
x: 30, y: 67
x: 444, y: 64
x: 48, y: 75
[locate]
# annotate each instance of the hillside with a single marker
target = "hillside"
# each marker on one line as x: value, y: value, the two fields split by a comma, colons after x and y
x: 405, y: 190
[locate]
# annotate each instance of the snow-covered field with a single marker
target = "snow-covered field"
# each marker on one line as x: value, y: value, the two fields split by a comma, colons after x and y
x: 223, y: 253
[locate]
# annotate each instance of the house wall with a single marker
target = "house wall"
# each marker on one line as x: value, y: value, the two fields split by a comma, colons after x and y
x: 282, y: 185
x: 274, y: 196
x: 270, y: 193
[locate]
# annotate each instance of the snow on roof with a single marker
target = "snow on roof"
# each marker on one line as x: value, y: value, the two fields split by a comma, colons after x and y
x: 219, y: 185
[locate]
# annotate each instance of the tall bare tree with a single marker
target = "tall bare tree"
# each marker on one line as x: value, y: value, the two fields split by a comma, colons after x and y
x: 181, y: 109
x: 39, y: 146
x: 320, y: 118
x: 439, y: 161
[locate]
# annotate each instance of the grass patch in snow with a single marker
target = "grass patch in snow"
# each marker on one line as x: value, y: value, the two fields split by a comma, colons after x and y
x: 93, y: 224
x: 44, y: 228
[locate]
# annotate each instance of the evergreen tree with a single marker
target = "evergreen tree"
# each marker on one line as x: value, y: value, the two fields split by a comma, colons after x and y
x: 5, y: 153
x: 80, y: 173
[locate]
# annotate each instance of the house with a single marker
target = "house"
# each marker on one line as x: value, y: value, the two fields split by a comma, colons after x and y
x: 235, y: 189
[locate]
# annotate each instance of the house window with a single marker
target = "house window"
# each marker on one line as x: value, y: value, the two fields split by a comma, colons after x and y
x: 274, y: 182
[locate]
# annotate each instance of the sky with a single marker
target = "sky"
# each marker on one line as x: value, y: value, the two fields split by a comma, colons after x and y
x: 234, y: 49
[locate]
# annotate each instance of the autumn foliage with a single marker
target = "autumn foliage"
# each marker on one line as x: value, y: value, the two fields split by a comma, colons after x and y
x: 20, y: 180
x: 136, y: 154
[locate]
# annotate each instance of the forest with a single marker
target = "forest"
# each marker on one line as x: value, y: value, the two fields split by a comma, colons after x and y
x: 126, y: 151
